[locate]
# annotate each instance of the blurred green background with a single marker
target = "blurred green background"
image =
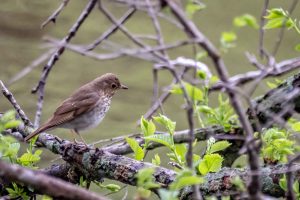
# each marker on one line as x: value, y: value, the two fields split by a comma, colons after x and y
x: 21, y: 43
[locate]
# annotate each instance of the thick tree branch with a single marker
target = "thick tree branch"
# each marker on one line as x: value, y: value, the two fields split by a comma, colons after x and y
x: 96, y: 164
x: 53, y: 187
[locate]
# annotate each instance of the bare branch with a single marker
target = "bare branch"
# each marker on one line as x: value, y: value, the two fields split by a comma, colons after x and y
x: 47, y: 68
x: 52, y: 18
x: 42, y: 58
x: 53, y: 187
x: 16, y: 106
x: 190, y: 28
x: 282, y: 68
x: 281, y: 32
x: 112, y: 29
x: 262, y: 50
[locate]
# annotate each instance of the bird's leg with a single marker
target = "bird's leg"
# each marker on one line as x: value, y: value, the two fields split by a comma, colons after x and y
x: 82, y: 140
x: 75, y: 134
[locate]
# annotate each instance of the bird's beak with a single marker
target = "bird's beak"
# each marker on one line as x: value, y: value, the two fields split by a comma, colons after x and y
x: 124, y: 87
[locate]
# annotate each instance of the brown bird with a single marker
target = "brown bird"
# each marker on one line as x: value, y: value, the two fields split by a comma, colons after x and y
x: 85, y: 108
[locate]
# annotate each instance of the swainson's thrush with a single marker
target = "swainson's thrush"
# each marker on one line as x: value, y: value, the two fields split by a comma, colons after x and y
x: 85, y: 108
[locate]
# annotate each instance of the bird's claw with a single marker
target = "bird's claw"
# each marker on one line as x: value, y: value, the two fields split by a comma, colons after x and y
x: 58, y: 139
x: 81, y: 146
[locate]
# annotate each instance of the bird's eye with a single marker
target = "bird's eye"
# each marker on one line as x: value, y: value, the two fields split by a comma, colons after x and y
x: 113, y: 86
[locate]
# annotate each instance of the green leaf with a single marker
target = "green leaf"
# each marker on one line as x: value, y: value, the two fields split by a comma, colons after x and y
x: 296, y: 187
x: 181, y: 150
x: 156, y: 160
x: 278, y: 18
x: 112, y: 187
x: 214, y: 79
x: 29, y: 159
x: 166, y: 122
x: 191, y: 8
x: 193, y: 92
x: 45, y: 197
x: 277, y: 145
x: 166, y: 140
x: 245, y: 20
x: 219, y: 146
x: 83, y: 182
x: 145, y: 178
x: 12, y: 124
x: 186, y: 181
x: 12, y: 150
x: 239, y: 183
x: 297, y: 47
x: 210, y: 163
x: 228, y: 40
x: 228, y: 37
x: 296, y: 126
x: 205, y: 109
x: 201, y: 74
x: 17, y: 192
x: 8, y: 116
x: 138, y: 151
x: 272, y: 85
x: 200, y: 55
x: 148, y: 127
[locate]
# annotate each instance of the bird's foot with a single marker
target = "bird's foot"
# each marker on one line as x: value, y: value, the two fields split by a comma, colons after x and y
x: 58, y: 139
x: 79, y: 143
x: 82, y: 146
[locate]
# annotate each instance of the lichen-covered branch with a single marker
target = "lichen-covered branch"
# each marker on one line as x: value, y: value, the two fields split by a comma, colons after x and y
x: 282, y: 101
x: 95, y: 164
x: 98, y: 164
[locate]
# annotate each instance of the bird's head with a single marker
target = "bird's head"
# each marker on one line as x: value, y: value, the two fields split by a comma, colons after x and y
x: 108, y: 83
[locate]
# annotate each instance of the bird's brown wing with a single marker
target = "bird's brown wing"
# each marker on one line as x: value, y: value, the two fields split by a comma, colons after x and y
x: 73, y: 107
x: 68, y: 110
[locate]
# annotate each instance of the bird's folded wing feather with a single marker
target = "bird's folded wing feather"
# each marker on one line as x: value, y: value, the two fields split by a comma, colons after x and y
x: 68, y: 110
x: 73, y: 107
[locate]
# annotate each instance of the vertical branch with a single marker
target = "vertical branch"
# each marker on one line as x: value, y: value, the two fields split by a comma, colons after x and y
x: 290, y: 179
x: 281, y: 32
x: 160, y: 42
x: 189, y: 108
x: 262, y: 51
x: 40, y: 88
x: 254, y: 187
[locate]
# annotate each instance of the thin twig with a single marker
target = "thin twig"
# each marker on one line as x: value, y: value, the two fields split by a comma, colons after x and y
x: 262, y: 50
x: 16, y: 106
x: 254, y: 187
x: 281, y: 32
x: 47, y: 68
x: 125, y: 31
x: 52, y: 18
x: 290, y: 178
x: 112, y: 29
x: 282, y: 68
x: 42, y: 58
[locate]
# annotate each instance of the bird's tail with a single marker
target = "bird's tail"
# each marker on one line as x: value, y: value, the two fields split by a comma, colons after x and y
x: 37, y: 131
